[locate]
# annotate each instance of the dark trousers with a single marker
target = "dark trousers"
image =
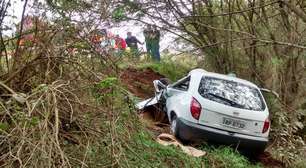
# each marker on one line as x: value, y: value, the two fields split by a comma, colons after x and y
x: 153, y: 51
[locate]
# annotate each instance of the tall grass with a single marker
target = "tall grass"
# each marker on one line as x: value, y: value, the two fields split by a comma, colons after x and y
x: 172, y: 69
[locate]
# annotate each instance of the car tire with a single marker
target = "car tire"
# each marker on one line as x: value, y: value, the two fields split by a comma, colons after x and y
x: 173, y: 126
x: 175, y: 130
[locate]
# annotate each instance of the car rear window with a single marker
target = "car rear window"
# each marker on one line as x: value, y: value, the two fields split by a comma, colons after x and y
x: 231, y: 93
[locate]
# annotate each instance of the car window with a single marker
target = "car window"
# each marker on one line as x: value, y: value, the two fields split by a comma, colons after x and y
x: 231, y: 93
x: 182, y: 85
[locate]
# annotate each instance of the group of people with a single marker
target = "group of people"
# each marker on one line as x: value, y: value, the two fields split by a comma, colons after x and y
x: 152, y: 39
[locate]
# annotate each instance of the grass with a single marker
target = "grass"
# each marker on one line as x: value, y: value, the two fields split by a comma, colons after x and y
x: 135, y: 145
x: 141, y: 149
x: 167, y: 68
x: 156, y: 155
x: 102, y: 128
x: 226, y: 157
x: 172, y: 69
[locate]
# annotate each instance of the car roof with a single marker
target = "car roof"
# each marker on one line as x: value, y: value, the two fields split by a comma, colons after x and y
x: 201, y: 72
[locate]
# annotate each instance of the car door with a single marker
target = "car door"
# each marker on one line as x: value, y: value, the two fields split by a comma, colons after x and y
x: 177, y: 97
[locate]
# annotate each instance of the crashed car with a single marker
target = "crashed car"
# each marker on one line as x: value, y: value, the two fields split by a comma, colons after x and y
x: 214, y: 107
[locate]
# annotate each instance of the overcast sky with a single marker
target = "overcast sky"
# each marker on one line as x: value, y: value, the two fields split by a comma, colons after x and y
x: 14, y: 10
x: 17, y: 6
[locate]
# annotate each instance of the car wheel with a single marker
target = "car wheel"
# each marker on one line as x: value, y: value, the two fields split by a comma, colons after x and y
x: 173, y: 126
x: 174, y: 130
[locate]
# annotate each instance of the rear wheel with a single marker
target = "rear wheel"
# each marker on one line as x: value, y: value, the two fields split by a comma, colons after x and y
x: 173, y: 126
x: 175, y: 130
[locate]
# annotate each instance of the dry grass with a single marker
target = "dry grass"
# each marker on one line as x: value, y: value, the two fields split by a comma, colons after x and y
x: 38, y: 126
x: 44, y: 107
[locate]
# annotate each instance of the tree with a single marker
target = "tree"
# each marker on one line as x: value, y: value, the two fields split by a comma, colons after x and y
x: 258, y: 39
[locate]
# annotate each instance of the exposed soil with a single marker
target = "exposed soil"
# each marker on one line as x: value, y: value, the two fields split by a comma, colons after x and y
x: 140, y: 83
x: 155, y: 120
x: 268, y: 161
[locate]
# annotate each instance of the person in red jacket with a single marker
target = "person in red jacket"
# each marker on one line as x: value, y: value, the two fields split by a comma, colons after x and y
x: 120, y: 43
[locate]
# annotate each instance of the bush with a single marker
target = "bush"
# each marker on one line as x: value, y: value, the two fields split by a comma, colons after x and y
x: 173, y: 70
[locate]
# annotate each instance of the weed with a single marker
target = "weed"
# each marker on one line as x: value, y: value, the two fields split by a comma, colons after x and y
x: 226, y: 157
x: 170, y: 69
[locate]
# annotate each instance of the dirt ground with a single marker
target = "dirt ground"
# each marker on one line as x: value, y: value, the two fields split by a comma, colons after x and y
x: 267, y: 160
x: 140, y: 83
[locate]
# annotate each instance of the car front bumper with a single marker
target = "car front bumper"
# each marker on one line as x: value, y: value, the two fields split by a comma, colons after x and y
x: 191, y: 131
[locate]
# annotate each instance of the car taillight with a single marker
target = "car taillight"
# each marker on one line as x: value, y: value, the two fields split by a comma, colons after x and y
x: 266, y: 126
x: 195, y: 109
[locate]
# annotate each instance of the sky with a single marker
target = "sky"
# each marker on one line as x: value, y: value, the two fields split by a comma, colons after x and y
x: 16, y: 9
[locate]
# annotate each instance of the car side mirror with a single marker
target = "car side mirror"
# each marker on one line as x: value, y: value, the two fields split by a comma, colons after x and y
x: 159, y: 86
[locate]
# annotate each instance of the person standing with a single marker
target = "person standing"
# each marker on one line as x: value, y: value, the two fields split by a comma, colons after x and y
x: 120, y: 43
x: 155, y: 44
x: 132, y: 42
x: 148, y: 39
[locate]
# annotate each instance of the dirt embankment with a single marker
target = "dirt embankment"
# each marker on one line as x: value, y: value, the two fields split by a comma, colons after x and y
x: 140, y: 83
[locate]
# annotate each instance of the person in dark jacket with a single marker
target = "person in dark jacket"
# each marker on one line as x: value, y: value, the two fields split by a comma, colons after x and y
x: 132, y: 42
x: 147, y: 32
x: 152, y: 38
x: 155, y: 43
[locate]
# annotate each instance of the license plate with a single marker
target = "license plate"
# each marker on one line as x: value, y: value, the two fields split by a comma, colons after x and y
x: 233, y: 123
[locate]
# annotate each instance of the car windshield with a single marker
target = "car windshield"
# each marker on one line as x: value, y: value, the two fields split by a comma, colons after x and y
x: 231, y: 93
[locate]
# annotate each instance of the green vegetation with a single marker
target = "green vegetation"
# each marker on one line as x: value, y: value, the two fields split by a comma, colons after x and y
x: 172, y: 69
x: 226, y: 157
x: 64, y: 103
x: 135, y: 145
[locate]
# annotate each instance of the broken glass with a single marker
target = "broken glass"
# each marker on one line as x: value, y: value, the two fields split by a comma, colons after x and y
x: 231, y: 93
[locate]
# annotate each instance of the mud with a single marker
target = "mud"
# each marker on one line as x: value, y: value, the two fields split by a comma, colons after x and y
x: 155, y: 120
x: 140, y: 82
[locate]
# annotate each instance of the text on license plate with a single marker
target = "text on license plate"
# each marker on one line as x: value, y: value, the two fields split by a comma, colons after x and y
x: 233, y: 123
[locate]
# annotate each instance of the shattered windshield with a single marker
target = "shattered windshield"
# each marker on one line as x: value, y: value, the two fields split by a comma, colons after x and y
x: 231, y: 93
